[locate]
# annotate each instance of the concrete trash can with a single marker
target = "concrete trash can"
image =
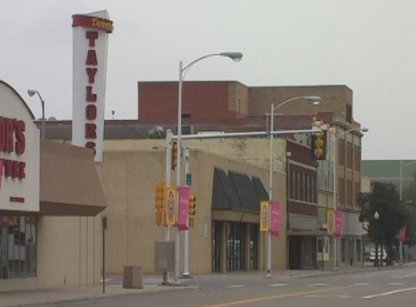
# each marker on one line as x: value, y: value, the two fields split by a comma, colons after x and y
x: 133, y: 277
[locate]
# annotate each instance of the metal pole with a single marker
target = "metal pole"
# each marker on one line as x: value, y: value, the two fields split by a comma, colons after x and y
x: 323, y: 249
x: 186, y: 273
x: 401, y: 180
x: 179, y: 139
x: 168, y: 170
x: 43, y: 117
x: 335, y: 194
x: 103, y: 260
x: 401, y: 198
x: 271, y: 169
x: 178, y: 168
x: 104, y: 227
x: 377, y: 256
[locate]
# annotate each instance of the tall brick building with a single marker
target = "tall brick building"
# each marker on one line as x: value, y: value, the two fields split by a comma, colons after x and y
x: 232, y: 106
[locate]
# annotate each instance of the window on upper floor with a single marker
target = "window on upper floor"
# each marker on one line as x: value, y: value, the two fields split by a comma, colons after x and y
x: 349, y: 113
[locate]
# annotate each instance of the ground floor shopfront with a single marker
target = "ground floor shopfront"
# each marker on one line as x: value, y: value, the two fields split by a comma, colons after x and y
x: 50, y: 195
x: 235, y: 246
x: 18, y: 246
x: 53, y: 251
x: 350, y: 243
x: 61, y: 243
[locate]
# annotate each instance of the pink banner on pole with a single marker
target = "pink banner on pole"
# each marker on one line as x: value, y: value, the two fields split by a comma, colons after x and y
x: 339, y: 224
x: 1, y: 171
x: 403, y: 234
x: 183, y: 210
x: 275, y: 223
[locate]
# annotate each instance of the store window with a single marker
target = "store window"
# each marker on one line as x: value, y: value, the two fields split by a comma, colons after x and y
x: 17, y: 246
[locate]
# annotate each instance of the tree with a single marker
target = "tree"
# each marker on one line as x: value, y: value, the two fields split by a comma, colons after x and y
x: 385, y: 200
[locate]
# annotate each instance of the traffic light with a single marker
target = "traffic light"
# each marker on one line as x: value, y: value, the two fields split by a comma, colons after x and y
x: 159, y: 202
x: 318, y: 145
x: 192, y: 205
x: 174, y: 155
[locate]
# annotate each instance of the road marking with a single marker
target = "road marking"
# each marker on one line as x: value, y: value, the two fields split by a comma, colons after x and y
x: 396, y: 283
x: 405, y: 276
x: 235, y: 286
x: 279, y: 296
x: 277, y: 285
x: 328, y: 296
x: 318, y: 285
x: 389, y: 293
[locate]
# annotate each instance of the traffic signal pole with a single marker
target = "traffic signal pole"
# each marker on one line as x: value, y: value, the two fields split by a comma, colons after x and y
x: 168, y: 171
x: 186, y: 273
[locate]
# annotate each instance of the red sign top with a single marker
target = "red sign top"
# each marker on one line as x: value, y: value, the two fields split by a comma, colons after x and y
x: 92, y: 22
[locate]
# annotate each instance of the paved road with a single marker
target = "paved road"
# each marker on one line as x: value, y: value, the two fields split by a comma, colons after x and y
x: 387, y: 287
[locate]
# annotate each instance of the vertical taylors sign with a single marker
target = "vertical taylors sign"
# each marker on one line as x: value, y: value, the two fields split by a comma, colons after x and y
x: 19, y: 154
x: 90, y: 41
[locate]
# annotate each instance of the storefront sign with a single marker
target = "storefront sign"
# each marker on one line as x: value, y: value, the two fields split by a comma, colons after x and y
x: 90, y: 41
x: 19, y: 153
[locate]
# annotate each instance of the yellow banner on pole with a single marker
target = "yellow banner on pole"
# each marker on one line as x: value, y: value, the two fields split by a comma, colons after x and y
x: 330, y: 218
x: 171, y: 205
x: 264, y: 215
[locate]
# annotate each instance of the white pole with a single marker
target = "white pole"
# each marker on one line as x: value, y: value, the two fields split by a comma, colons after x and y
x: 401, y: 198
x: 43, y: 116
x: 401, y: 180
x: 178, y: 168
x: 335, y: 195
x: 186, y: 273
x: 168, y: 170
x: 271, y: 169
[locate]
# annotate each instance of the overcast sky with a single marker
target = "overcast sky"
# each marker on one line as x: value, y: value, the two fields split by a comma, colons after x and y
x: 367, y: 45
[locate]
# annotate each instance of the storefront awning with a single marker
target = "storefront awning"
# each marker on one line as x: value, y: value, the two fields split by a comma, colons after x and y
x: 69, y: 183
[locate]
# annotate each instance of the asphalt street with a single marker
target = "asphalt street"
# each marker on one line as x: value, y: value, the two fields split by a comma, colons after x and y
x: 386, y: 287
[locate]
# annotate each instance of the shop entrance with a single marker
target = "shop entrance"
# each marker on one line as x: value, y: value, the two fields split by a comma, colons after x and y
x: 234, y: 246
x: 302, y: 252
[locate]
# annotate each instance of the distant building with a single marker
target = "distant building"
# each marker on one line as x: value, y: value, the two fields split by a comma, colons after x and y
x: 397, y: 172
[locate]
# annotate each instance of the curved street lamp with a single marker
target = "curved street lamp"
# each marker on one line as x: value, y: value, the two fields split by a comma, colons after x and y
x: 236, y: 57
x: 31, y: 93
x: 336, y: 138
x: 310, y: 98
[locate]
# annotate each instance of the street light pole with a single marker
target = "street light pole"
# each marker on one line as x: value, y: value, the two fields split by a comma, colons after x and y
x: 335, y: 174
x: 376, y: 217
x: 31, y: 93
x: 315, y: 100
x: 235, y: 56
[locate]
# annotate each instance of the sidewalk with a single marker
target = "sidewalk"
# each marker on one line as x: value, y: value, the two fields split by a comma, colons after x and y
x: 151, y: 284
x: 70, y: 294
